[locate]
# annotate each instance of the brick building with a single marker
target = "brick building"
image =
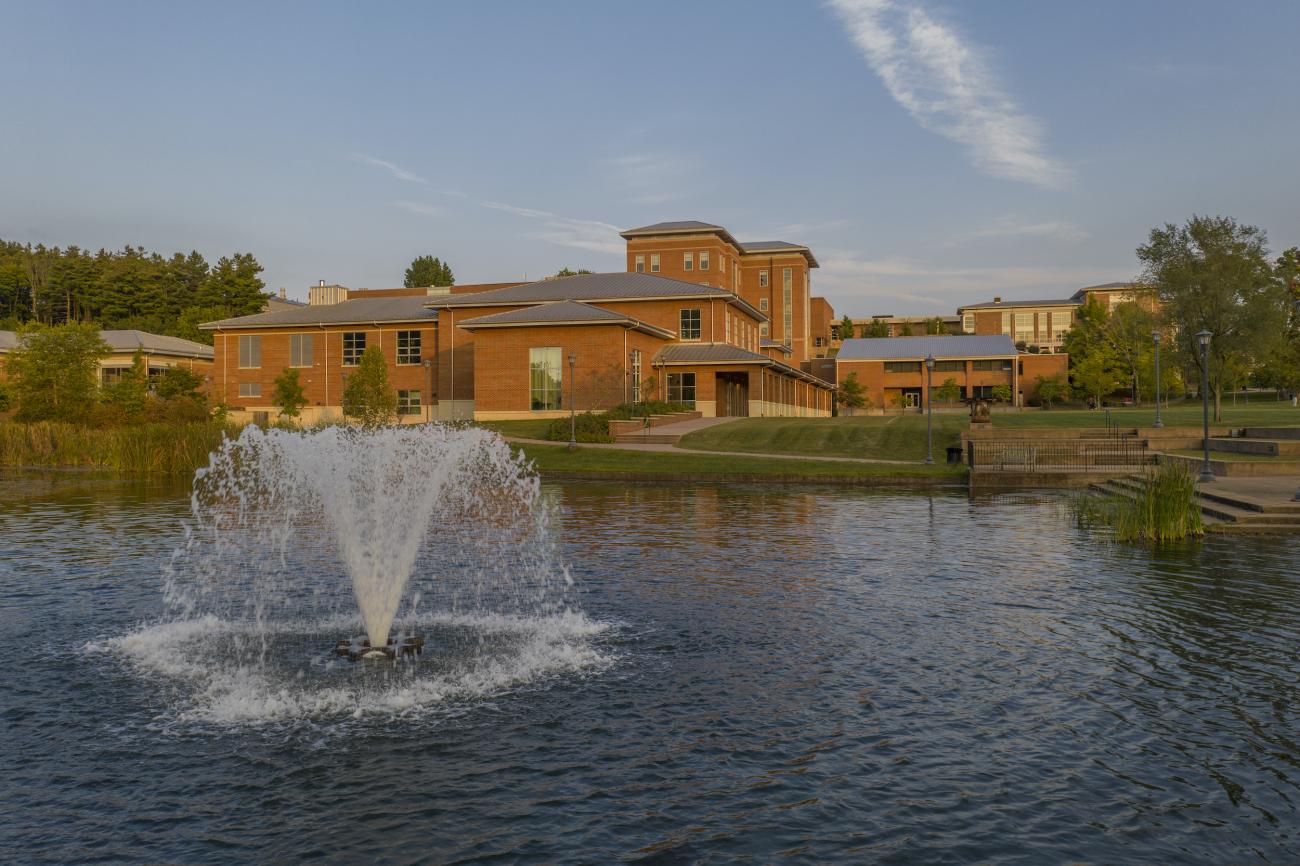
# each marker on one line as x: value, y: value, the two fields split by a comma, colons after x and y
x: 160, y: 352
x: 1044, y: 323
x: 893, y: 372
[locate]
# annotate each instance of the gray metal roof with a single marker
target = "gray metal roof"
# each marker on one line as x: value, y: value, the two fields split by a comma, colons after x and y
x: 562, y: 313
x: 942, y: 347
x: 765, y: 246
x: 1054, y: 302
x: 673, y: 226
x: 619, y: 286
x: 130, y: 341
x: 358, y: 311
x: 723, y: 353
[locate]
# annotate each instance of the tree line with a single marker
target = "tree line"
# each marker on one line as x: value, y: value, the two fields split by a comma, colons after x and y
x: 127, y: 288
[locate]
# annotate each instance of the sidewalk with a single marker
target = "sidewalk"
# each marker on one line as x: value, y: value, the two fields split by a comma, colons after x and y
x: 630, y: 446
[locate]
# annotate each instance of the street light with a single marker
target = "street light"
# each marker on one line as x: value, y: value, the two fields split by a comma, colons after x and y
x: 929, y: 409
x: 1155, y: 335
x: 573, y: 409
x: 1203, y: 337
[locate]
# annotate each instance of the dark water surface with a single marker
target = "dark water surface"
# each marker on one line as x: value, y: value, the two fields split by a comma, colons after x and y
x: 821, y: 676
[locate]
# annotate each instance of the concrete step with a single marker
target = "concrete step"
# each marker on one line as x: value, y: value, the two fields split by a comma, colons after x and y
x: 1221, y: 508
x: 1247, y: 503
x: 1260, y: 447
x: 1272, y: 432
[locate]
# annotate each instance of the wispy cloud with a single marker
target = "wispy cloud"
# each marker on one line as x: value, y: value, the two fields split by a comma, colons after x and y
x: 1007, y: 227
x: 948, y: 88
x: 651, y: 178
x: 419, y: 207
x: 565, y: 231
x: 395, y: 170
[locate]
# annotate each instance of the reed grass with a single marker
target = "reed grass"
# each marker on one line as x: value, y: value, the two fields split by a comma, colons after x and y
x: 1164, y: 509
x: 169, y: 449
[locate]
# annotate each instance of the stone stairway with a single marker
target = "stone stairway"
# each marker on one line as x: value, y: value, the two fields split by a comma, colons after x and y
x: 663, y: 429
x: 1230, y: 508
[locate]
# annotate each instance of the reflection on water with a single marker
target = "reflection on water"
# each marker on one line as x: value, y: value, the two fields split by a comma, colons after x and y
x: 809, y: 675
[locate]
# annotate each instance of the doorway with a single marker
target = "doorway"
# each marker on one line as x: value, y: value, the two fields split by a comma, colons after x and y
x: 731, y: 393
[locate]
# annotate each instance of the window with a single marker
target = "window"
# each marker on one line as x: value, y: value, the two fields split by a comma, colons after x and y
x: 787, y: 302
x: 1006, y: 323
x: 704, y: 260
x: 902, y: 366
x: 762, y: 329
x: 250, y: 351
x: 981, y: 392
x: 1024, y: 327
x: 1060, y: 323
x: 722, y: 264
x: 818, y: 342
x: 250, y: 389
x: 762, y: 279
x: 640, y: 264
x: 762, y: 305
x: 636, y: 375
x: 654, y: 263
x: 993, y: 366
x: 949, y: 366
x: 408, y: 402
x: 681, y: 388
x: 727, y: 317
x: 688, y: 261
x: 300, y: 350
x: 690, y: 325
x: 968, y: 323
x: 545, y: 378
x: 354, y: 343
x: 408, y: 349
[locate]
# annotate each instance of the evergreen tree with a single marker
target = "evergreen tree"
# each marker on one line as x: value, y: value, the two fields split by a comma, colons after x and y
x: 565, y: 272
x: 131, y: 391
x: 235, y: 285
x: 845, y: 330
x: 55, y: 371
x: 876, y: 328
x: 289, y: 394
x: 368, y: 396
x: 178, y: 383
x: 426, y: 271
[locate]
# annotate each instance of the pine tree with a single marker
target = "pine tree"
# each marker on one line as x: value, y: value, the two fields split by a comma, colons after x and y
x: 426, y: 271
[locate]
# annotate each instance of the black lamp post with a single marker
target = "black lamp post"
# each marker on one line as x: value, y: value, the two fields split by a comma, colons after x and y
x: 573, y: 409
x: 1203, y: 337
x: 1155, y: 335
x: 929, y: 409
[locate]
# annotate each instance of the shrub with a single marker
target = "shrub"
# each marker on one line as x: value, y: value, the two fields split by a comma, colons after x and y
x: 1165, y: 509
x: 289, y: 394
x: 55, y: 371
x: 178, y: 382
x: 628, y: 411
x: 590, y: 427
x: 368, y: 395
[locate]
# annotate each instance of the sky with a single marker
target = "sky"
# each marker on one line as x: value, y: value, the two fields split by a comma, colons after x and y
x: 930, y: 154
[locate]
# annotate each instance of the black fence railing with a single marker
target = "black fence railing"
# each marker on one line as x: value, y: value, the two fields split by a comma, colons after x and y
x: 1110, y: 453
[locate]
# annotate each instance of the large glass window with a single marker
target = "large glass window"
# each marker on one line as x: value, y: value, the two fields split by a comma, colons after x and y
x: 991, y: 366
x: 636, y: 375
x: 1006, y: 323
x: 354, y: 344
x: 545, y: 378
x: 408, y: 402
x: 1060, y: 323
x: 968, y: 323
x: 949, y: 366
x: 250, y: 351
x: 902, y: 366
x: 787, y: 302
x: 1024, y: 327
x: 690, y: 325
x: 300, y: 350
x: 681, y: 388
x: 250, y: 389
x: 408, y: 348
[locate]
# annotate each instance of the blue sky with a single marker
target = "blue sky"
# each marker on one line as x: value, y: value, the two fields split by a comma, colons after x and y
x: 930, y: 153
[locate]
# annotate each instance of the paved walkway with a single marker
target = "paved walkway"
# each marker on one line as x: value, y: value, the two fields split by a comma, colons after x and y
x: 636, y: 446
x: 1275, y: 489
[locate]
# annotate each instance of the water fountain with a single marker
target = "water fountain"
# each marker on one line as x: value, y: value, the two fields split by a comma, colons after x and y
x: 398, y: 541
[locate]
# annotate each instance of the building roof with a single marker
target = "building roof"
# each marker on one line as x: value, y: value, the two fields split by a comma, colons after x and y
x: 562, y: 313
x: 779, y: 247
x: 359, y: 311
x: 942, y: 347
x: 995, y: 305
x: 618, y: 286
x: 1104, y: 287
x: 725, y: 353
x: 682, y: 227
x: 128, y: 341
x: 673, y: 227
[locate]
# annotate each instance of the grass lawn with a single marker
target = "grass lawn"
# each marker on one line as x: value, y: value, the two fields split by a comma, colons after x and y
x: 553, y: 459
x: 897, y: 437
x: 1186, y: 414
x: 527, y: 428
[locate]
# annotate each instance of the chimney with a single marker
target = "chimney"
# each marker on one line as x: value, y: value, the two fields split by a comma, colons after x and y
x: 282, y: 295
x: 322, y: 282
x: 996, y: 299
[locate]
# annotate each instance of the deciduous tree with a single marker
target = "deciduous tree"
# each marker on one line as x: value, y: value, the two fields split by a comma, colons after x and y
x: 55, y: 371
x: 851, y: 394
x: 368, y: 396
x: 289, y: 395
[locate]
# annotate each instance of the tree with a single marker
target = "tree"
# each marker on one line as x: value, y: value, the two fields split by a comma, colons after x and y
x: 845, y: 330
x: 1001, y: 392
x: 936, y: 326
x: 876, y: 328
x: 1051, y: 389
x: 1213, y: 274
x: 131, y: 391
x: 368, y: 396
x: 851, y: 394
x: 56, y: 371
x: 426, y: 271
x: 1281, y: 368
x: 289, y: 394
x: 907, y: 330
x: 234, y: 285
x: 949, y: 391
x: 565, y: 272
x: 1095, y: 375
x: 177, y: 383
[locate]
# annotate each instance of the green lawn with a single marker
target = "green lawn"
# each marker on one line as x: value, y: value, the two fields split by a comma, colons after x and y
x: 1255, y: 414
x: 528, y: 428
x: 879, y: 437
x: 553, y: 459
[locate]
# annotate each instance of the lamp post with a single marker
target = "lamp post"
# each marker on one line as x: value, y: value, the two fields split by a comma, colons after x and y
x: 929, y: 409
x: 428, y: 374
x: 573, y: 409
x: 1155, y: 335
x: 1203, y: 337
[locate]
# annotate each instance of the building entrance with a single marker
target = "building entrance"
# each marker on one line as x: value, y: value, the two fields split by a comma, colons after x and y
x: 731, y: 392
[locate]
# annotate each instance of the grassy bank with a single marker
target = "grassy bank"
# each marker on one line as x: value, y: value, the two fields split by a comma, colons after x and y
x: 558, y: 461
x: 897, y: 437
x: 171, y: 449
x: 1185, y: 414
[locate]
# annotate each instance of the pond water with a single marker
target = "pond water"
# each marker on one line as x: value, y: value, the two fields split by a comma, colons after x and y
x: 744, y: 675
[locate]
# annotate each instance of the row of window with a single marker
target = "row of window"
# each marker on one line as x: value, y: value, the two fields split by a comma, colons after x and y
x: 354, y: 345
x: 982, y: 366
x: 689, y: 261
x: 408, y: 401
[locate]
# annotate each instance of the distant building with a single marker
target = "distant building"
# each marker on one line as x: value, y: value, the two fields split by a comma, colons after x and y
x: 1044, y: 323
x: 893, y: 373
x: 900, y: 326
x: 279, y: 301
x: 160, y: 353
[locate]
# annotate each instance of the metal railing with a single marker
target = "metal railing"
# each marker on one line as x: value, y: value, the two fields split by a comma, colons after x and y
x: 1106, y: 454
